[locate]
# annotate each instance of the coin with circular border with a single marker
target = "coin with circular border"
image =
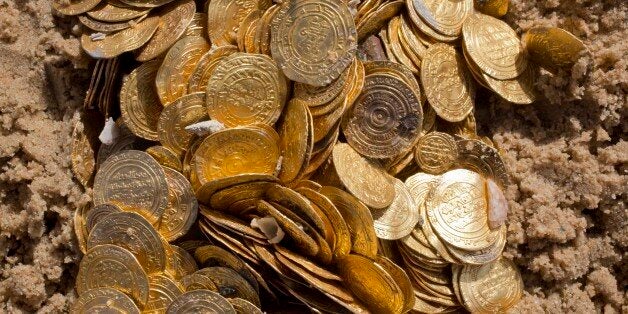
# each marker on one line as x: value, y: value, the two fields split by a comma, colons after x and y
x: 211, y: 255
x: 242, y: 306
x: 165, y: 157
x: 478, y: 156
x: 104, y: 300
x: 139, y: 102
x: 492, y: 287
x: 297, y: 140
x: 205, y: 67
x: 198, y: 281
x: 162, y: 291
x: 400, y: 218
x: 113, y: 45
x: 182, y: 206
x: 436, y: 152
x: 231, y: 284
x: 185, y: 262
x: 445, y: 17
x: 98, y: 212
x: 224, y: 18
x: 519, y: 90
x: 200, y: 301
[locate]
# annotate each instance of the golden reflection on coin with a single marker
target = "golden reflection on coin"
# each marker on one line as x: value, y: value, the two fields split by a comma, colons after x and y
x: 104, y: 300
x: 187, y: 110
x: 436, y: 152
x: 182, y: 206
x: 446, y: 17
x: 82, y: 158
x: 98, y: 212
x: 295, y: 131
x: 139, y: 102
x: 552, y: 47
x: 108, y: 12
x: 162, y: 292
x: 400, y: 218
x: 493, y: 287
x: 200, y: 301
x: 123, y: 41
x: 165, y: 157
x: 224, y: 18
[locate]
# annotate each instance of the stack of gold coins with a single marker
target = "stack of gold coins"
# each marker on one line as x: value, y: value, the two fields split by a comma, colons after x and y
x: 301, y: 155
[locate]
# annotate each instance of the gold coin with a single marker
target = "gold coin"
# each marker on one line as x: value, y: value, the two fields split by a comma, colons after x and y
x: 186, y: 264
x: 481, y: 257
x: 552, y: 47
x: 385, y: 119
x: 145, y: 3
x: 184, y: 111
x: 80, y: 229
x: 448, y: 84
x: 377, y: 19
x: 177, y: 66
x: 495, y: 8
x: 242, y: 306
x: 307, y: 264
x: 436, y: 152
x: 236, y: 151
x: 110, y: 266
x: 211, y: 255
x: 519, y: 90
x: 182, y: 209
x: 313, y: 42
x: 225, y: 198
x: 104, y: 300
x: 371, y: 283
x: 398, y: 220
x: 297, y: 140
x: 433, y: 239
x: 477, y: 156
x: 175, y: 18
x: 494, y: 46
x: 139, y: 102
x: 402, y: 280
x: 315, y: 96
x: 200, y: 301
x: 364, y: 178
x: 205, y: 67
x: 82, y: 158
x: 231, y: 284
x: 133, y: 180
x: 249, y: 21
x: 264, y: 30
x: 297, y: 204
x: 426, y: 34
x: 302, y: 240
x: 74, y: 7
x: 409, y: 34
x: 165, y: 156
x: 446, y: 17
x: 134, y: 233
x: 457, y: 210
x: 419, y: 185
x: 118, y: 43
x: 198, y: 281
x: 224, y: 19
x: 205, y: 192
x: 106, y: 27
x: 493, y: 287
x: 98, y: 212
x: 396, y: 43
x: 107, y: 12
x: 232, y: 223
x: 198, y: 25
x: 163, y: 291
x: 246, y: 88
x: 358, y: 219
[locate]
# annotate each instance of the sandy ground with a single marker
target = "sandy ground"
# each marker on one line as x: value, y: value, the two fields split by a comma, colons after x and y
x: 567, y: 156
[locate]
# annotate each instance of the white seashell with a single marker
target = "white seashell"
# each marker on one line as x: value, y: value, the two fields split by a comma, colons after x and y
x: 497, y: 205
x: 270, y: 228
x: 205, y: 127
x: 109, y: 133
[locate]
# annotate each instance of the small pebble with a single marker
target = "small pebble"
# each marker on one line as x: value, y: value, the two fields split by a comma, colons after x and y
x: 270, y: 228
x: 205, y: 127
x: 109, y: 133
x: 497, y: 205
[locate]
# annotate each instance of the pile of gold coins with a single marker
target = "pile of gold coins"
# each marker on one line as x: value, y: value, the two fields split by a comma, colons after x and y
x: 298, y: 155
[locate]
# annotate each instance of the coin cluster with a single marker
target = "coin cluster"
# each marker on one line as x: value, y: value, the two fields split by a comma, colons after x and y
x: 302, y: 154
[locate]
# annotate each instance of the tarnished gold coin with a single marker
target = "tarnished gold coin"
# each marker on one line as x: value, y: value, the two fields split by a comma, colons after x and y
x: 177, y: 66
x: 165, y: 157
x: 297, y: 140
x: 162, y: 291
x: 436, y: 152
x: 313, y: 42
x: 108, y: 12
x: 104, y: 300
x: 400, y: 218
x: 98, y: 212
x: 182, y: 206
x: 175, y: 18
x: 107, y: 27
x: 200, y: 301
x: 134, y: 233
x: 371, y: 283
x: 113, y: 45
x: 385, y: 119
x: 224, y: 18
x: 205, y: 67
x: 364, y: 178
x: 74, y: 7
x: 211, y: 255
x: 446, y: 17
x: 448, y: 84
x: 242, y: 306
x: 478, y: 156
x: 139, y: 102
x: 236, y: 151
x: 494, y: 46
x: 111, y: 266
x: 133, y: 180
x: 493, y: 287
x: 244, y: 89
x: 184, y: 111
x: 83, y: 157
x: 552, y: 47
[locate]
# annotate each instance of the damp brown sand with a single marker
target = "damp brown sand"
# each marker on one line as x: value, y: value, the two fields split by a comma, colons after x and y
x: 567, y: 156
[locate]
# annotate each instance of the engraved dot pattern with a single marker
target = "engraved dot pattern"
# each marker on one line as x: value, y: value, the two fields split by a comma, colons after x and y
x: 200, y: 301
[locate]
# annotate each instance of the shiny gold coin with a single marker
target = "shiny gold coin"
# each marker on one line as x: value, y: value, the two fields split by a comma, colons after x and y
x: 165, y: 156
x: 211, y: 255
x: 200, y: 301
x: 231, y: 284
x: 313, y: 42
x: 307, y: 264
x: 297, y: 204
x: 111, y: 266
x: 74, y: 7
x: 144, y: 3
x: 420, y: 184
x: 236, y: 151
x: 493, y: 287
x: 377, y: 19
x: 106, y: 27
x: 364, y: 178
x: 303, y: 241
x: 123, y: 41
x: 315, y: 96
x: 436, y: 152
x: 477, y: 156
x: 139, y: 102
x: 494, y: 46
x: 552, y: 47
x: 175, y: 18
x: 208, y: 189
x: 224, y: 19
x: 519, y: 90
x: 232, y: 223
x: 134, y: 233
x: 358, y: 219
x: 402, y: 280
x: 402, y: 54
x: 448, y: 84
x: 104, y: 300
x: 198, y: 25
x: 226, y: 198
x: 108, y: 12
x: 98, y: 212
x: 205, y: 67
x: 198, y: 281
x: 445, y: 17
x: 246, y: 89
x: 242, y: 306
x: 80, y: 229
x: 371, y: 283
x: 177, y: 66
x: 185, y: 262
x: 495, y: 8
x: 297, y: 140
x: 163, y: 291
x: 427, y: 35
x: 182, y: 206
x: 400, y: 218
x: 408, y: 33
x: 481, y: 257
x: 184, y: 111
x: 82, y: 157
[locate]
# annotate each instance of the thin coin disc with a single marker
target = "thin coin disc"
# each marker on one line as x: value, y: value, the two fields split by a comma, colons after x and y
x: 200, y: 301
x: 242, y: 306
x: 132, y: 232
x: 294, y: 131
x: 74, y: 7
x: 236, y: 151
x: 477, y: 156
x: 184, y: 111
x: 444, y: 16
x: 386, y: 118
x: 146, y: 3
x: 186, y: 264
x: 492, y: 287
x: 104, y: 300
x: 494, y: 46
x: 224, y: 18
x: 118, y: 43
x: 132, y: 179
x: 162, y: 291
x: 447, y: 82
x: 519, y: 90
x: 419, y: 185
x: 400, y: 218
x: 436, y: 152
x: 246, y: 88
x: 165, y: 157
x: 552, y: 47
x: 98, y: 212
x: 182, y: 206
x: 111, y: 266
x: 107, y: 12
x: 313, y: 41
x: 457, y: 210
x: 139, y: 102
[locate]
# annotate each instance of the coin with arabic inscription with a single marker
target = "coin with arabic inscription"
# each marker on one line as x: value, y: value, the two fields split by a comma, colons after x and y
x: 115, y: 44
x: 182, y: 206
x: 104, y: 300
x: 184, y: 111
x: 492, y: 287
x: 446, y: 17
x: 224, y: 18
x: 400, y: 218
x: 200, y: 301
x: 436, y: 152
x: 139, y: 102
